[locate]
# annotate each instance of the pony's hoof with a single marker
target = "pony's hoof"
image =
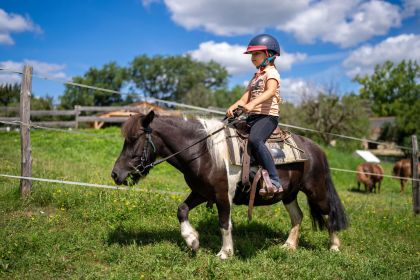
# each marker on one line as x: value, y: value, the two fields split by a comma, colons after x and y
x: 289, y: 246
x: 334, y: 248
x: 224, y: 254
x: 191, y: 238
x: 195, y: 245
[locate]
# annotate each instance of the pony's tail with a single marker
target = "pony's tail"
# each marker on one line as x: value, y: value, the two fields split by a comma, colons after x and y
x: 337, y: 218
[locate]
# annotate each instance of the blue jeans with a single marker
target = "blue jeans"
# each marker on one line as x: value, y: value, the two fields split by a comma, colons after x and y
x: 261, y: 128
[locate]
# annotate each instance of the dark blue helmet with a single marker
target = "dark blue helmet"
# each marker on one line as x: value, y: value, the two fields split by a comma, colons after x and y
x: 264, y: 42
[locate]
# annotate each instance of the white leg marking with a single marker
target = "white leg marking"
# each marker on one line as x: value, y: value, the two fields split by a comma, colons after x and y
x: 227, y: 247
x: 334, y: 242
x: 234, y: 177
x: 296, y: 219
x: 190, y: 235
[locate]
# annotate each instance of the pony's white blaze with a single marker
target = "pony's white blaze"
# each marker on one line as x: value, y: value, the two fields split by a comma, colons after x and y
x: 220, y: 155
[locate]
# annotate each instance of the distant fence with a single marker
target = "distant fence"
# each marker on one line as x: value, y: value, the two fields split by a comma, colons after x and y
x: 79, y: 117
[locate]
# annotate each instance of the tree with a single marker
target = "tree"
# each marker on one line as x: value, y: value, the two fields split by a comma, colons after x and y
x: 9, y: 94
x: 110, y: 76
x: 330, y: 113
x: 394, y: 90
x: 224, y: 97
x: 176, y: 77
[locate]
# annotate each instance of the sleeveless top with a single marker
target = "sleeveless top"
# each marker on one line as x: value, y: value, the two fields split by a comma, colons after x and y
x: 257, y: 86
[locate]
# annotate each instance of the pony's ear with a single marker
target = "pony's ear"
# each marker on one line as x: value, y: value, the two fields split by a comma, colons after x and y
x: 148, y: 119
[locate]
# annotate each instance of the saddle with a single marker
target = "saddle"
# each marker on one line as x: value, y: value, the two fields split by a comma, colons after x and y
x: 281, y: 146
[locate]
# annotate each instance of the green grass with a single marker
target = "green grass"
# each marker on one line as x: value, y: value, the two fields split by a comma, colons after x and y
x: 74, y: 232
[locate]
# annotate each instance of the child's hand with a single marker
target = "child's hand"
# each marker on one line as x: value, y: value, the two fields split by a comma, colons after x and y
x: 229, y: 111
x: 248, y: 107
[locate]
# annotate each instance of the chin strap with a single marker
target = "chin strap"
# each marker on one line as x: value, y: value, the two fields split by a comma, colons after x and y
x: 265, y: 62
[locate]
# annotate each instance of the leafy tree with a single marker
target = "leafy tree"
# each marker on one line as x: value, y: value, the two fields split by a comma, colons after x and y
x: 224, y: 97
x: 333, y: 114
x: 176, y: 77
x: 394, y: 90
x: 110, y: 76
x: 9, y: 94
x: 41, y: 103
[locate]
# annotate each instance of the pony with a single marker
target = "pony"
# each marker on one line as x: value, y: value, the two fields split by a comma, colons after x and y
x: 212, y: 179
x: 371, y: 175
x: 402, y: 168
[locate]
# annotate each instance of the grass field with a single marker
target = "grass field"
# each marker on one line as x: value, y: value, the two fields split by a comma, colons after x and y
x: 74, y: 232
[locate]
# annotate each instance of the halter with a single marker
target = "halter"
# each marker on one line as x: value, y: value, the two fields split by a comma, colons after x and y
x: 142, y: 169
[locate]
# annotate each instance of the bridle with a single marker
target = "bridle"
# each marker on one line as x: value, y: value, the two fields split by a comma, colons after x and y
x: 142, y: 168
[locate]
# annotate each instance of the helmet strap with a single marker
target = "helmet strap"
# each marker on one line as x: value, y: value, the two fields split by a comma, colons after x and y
x: 265, y: 62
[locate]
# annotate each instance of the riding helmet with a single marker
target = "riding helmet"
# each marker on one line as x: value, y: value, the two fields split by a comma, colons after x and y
x: 264, y: 42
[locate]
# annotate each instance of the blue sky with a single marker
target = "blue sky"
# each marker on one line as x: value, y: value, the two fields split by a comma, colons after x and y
x: 323, y: 42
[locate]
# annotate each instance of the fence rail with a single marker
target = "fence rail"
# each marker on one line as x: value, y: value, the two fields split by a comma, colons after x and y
x: 77, y: 113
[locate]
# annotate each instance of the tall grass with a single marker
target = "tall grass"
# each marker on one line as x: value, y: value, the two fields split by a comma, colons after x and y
x: 74, y: 232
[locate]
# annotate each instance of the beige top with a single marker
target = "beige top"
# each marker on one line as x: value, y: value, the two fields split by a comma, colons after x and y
x: 257, y: 86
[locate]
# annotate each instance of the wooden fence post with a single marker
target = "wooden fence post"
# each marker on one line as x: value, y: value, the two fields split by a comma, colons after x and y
x: 416, y: 183
x: 77, y: 114
x: 25, y: 136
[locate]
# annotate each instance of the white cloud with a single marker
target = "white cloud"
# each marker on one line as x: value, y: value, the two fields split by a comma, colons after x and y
x: 11, y: 23
x: 411, y: 7
x: 296, y: 90
x: 232, y: 57
x: 346, y: 22
x: 40, y: 68
x: 363, y: 60
x: 235, y: 17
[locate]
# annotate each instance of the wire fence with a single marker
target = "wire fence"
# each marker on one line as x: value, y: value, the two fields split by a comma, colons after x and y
x: 92, y: 185
x: 182, y: 105
x: 171, y: 103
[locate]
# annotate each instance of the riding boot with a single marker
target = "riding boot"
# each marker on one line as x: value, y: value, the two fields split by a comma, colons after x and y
x: 268, y: 189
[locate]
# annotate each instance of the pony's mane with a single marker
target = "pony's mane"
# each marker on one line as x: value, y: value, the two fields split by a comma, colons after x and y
x: 131, y: 126
x: 216, y: 144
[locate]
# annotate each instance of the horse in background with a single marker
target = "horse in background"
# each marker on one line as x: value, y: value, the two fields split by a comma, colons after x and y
x: 212, y: 179
x: 370, y: 175
x: 402, y: 168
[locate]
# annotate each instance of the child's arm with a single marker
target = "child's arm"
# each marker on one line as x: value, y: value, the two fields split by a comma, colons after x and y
x: 270, y: 91
x: 241, y: 102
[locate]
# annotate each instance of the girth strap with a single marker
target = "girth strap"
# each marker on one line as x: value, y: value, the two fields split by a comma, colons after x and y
x: 252, y: 193
x: 246, y: 163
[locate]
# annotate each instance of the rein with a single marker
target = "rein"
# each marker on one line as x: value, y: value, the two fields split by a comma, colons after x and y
x: 148, y: 131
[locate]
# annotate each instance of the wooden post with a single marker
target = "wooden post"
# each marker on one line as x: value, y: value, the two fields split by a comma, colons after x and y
x: 25, y: 136
x: 77, y: 113
x: 414, y: 170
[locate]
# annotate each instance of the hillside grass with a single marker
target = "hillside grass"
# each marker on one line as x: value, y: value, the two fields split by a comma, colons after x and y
x: 74, y: 232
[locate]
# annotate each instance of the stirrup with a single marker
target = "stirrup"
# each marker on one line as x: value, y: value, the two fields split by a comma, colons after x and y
x: 267, y: 190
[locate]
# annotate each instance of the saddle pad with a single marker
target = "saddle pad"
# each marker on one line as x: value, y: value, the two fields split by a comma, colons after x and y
x: 283, y: 152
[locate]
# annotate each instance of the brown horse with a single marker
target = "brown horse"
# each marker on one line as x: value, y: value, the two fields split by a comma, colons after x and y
x: 402, y: 168
x: 371, y: 175
x: 211, y: 178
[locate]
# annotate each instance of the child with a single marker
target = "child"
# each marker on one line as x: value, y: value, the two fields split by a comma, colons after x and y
x: 261, y: 102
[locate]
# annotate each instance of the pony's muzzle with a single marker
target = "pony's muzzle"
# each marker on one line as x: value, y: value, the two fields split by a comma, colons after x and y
x: 119, y: 180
